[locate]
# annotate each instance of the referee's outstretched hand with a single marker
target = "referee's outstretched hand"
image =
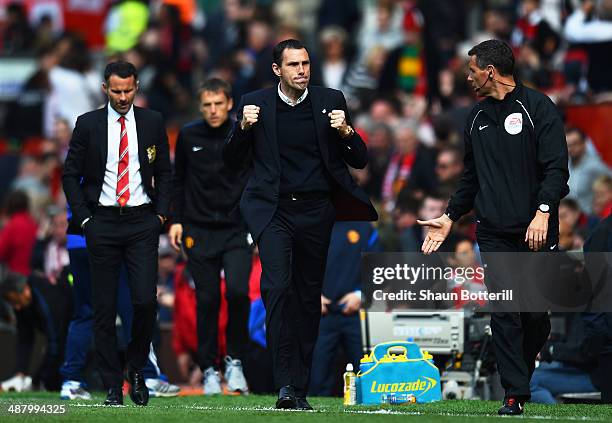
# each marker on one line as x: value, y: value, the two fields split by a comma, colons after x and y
x: 438, y: 230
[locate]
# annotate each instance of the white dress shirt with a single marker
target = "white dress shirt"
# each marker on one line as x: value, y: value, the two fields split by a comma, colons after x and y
x: 288, y: 100
x: 108, y: 196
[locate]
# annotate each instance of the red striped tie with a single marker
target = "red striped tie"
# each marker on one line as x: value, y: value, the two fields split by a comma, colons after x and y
x: 123, y: 172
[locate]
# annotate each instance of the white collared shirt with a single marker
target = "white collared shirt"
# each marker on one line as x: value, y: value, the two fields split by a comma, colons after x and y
x: 288, y: 100
x: 108, y: 196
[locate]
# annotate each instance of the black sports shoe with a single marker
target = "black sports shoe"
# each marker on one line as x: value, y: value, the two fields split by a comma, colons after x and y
x: 302, y: 404
x: 114, y: 397
x: 511, y: 407
x: 286, y: 397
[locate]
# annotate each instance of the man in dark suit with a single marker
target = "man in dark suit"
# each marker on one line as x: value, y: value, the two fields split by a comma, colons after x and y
x: 117, y: 178
x: 299, y: 185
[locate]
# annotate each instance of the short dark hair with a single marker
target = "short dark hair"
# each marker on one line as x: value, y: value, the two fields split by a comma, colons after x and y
x: 120, y: 68
x: 434, y: 195
x: 496, y: 53
x: 571, y: 204
x: 16, y: 201
x: 277, y: 51
x: 577, y: 130
x: 12, y: 282
x: 216, y: 85
x: 453, y: 149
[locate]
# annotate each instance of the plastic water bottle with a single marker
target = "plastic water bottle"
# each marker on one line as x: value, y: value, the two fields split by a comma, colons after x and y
x: 350, y: 388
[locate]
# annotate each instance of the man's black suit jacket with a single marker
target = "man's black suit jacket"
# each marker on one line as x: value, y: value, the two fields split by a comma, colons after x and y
x: 258, y: 147
x: 86, y: 163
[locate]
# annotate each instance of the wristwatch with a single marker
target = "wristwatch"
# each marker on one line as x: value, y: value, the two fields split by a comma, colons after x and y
x: 544, y: 208
x: 349, y: 132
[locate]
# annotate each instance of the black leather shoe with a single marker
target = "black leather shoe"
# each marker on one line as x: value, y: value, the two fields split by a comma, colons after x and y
x: 302, y: 404
x: 286, y: 398
x: 511, y: 407
x: 139, y: 393
x: 114, y: 397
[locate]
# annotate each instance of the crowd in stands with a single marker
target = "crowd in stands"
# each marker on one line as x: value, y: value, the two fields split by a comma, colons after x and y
x: 401, y: 65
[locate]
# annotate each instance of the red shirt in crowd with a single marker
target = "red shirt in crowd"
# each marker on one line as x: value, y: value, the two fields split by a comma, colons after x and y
x: 17, y: 240
x: 184, y: 334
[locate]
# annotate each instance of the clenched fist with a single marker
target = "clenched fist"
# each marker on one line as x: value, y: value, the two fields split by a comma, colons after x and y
x: 250, y: 116
x: 337, y: 120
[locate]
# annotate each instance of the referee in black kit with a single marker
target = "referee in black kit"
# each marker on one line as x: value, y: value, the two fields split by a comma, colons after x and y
x: 204, y: 193
x: 515, y: 176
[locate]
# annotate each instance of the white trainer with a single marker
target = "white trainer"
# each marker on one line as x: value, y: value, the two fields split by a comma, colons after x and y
x: 72, y: 390
x: 161, y: 388
x: 212, y: 382
x: 234, y: 376
x: 18, y: 383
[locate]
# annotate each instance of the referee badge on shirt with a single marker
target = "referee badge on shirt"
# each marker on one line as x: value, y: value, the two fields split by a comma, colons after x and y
x: 514, y: 123
x: 151, y: 153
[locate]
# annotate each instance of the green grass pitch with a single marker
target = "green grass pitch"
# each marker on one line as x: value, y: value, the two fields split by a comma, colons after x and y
x: 255, y: 409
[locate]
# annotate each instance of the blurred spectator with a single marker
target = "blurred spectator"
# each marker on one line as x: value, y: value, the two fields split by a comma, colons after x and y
x: 125, y: 22
x: 168, y: 96
x: 223, y: 31
x: 18, y: 235
x: 50, y: 256
x: 531, y: 69
x: 26, y: 113
x: 401, y: 164
x: 598, y: 326
x: 584, y: 167
x: 533, y: 28
x: 51, y: 169
x: 381, y: 27
x: 17, y: 36
x: 343, y: 13
x: 567, y: 364
x: 186, y: 8
x: 403, y: 217
x: 184, y: 333
x: 165, y: 275
x: 602, y: 196
x: 449, y: 168
x: 30, y: 179
x: 361, y: 85
x: 39, y: 306
x: 464, y: 257
x: 175, y: 43
x: 44, y: 33
x: 405, y: 67
x: 380, y: 144
x: 74, y: 85
x: 574, y: 225
x: 384, y: 110
x: 585, y: 27
x: 496, y: 25
x: 254, y: 60
x: 334, y: 60
x: 61, y: 137
x: 443, y: 28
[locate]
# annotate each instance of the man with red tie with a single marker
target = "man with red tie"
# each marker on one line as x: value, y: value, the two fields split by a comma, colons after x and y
x: 117, y: 179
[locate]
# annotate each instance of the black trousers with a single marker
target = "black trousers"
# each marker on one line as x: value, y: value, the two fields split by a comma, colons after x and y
x: 209, y: 250
x: 517, y: 337
x: 293, y: 251
x: 113, y: 237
